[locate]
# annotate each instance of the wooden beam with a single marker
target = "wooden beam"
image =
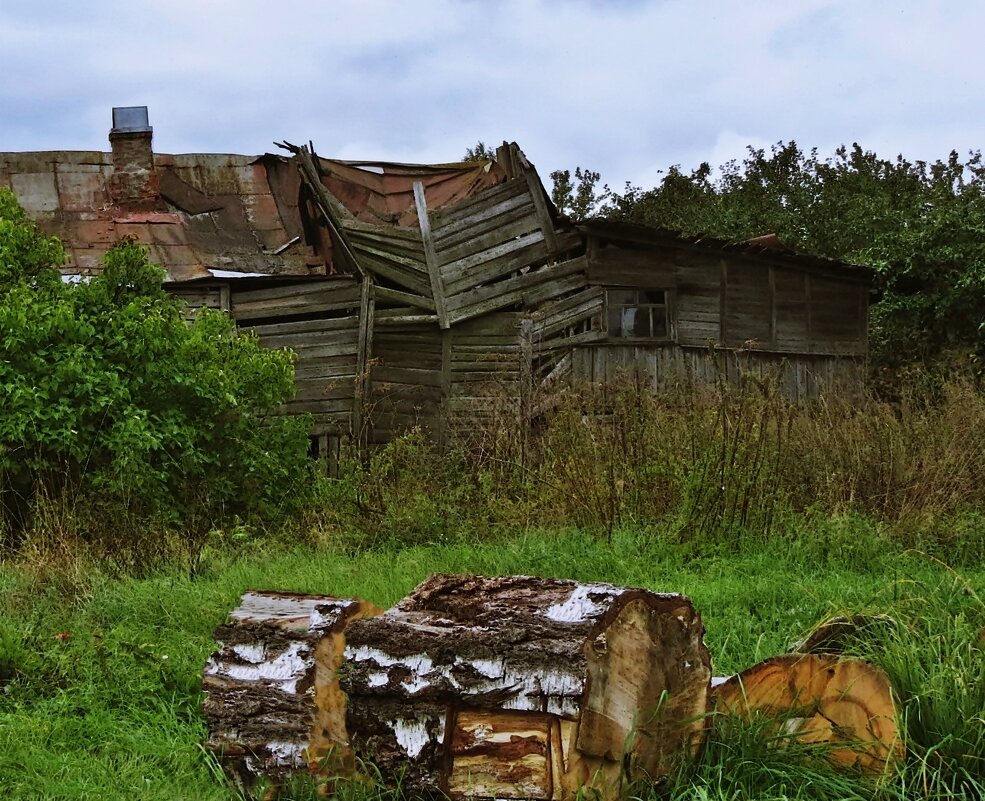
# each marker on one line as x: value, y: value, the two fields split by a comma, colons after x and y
x: 403, y: 298
x: 331, y: 209
x: 430, y: 258
x: 367, y: 303
x: 446, y: 355
x: 540, y: 203
x: 408, y: 319
x: 723, y: 303
x: 772, y: 301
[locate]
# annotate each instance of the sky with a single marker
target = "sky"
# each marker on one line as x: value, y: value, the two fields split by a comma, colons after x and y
x: 624, y: 87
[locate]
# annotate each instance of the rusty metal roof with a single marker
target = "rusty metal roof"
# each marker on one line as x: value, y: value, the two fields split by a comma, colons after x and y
x: 213, y: 211
x: 213, y: 215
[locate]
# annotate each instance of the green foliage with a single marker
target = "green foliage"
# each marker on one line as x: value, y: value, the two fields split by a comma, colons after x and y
x: 919, y: 226
x: 579, y: 198
x: 110, y: 396
x: 480, y: 152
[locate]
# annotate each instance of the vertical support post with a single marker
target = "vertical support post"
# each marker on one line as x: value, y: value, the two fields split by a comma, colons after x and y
x: 526, y: 383
x: 444, y: 429
x: 364, y: 351
x: 723, y: 304
x: 810, y: 312
x: 772, y: 301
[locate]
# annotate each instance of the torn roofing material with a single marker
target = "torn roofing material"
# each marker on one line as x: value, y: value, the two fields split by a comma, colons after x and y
x: 209, y: 212
x: 206, y: 215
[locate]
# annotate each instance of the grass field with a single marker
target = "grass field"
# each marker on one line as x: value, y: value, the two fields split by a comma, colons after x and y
x: 100, y: 677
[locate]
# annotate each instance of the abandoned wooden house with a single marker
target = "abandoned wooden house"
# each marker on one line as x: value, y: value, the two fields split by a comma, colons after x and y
x: 421, y: 295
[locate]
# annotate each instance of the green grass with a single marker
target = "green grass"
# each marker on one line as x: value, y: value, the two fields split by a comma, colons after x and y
x: 100, y: 677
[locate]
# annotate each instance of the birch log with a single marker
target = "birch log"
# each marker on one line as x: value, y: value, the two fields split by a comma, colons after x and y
x: 273, y: 703
x: 524, y: 687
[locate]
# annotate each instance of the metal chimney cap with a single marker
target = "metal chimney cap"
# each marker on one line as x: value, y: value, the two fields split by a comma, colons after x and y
x: 130, y: 119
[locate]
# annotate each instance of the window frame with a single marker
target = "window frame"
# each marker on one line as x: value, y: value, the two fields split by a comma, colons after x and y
x: 640, y: 303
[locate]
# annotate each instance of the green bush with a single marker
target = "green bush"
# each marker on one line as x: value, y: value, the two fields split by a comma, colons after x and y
x: 114, y: 404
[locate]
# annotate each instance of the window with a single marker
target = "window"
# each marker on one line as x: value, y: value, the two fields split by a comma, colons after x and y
x: 637, y: 313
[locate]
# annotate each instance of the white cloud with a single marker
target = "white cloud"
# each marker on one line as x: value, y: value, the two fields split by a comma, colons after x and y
x: 627, y: 88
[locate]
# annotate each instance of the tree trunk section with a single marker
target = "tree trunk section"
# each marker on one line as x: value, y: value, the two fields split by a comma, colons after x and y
x: 273, y: 703
x: 523, y: 687
x: 845, y: 704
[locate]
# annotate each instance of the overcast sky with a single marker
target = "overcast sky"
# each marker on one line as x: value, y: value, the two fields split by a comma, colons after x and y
x: 625, y: 87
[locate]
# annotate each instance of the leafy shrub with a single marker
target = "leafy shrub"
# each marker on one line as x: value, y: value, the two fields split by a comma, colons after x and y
x: 114, y: 402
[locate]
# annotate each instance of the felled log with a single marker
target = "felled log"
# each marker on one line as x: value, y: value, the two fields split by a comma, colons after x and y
x: 845, y: 704
x: 273, y: 703
x: 836, y: 634
x: 524, y: 687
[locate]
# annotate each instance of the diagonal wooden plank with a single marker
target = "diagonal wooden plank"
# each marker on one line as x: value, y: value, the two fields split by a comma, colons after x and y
x: 430, y: 258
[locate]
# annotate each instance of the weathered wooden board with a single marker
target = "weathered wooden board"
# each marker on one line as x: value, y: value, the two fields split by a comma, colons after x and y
x: 465, y: 212
x: 489, y: 220
x: 548, y: 280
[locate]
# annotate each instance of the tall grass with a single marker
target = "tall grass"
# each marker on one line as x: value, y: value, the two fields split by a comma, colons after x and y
x: 712, y: 464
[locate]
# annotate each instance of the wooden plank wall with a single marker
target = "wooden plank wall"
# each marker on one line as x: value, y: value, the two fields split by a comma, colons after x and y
x: 200, y: 296
x: 718, y: 298
x: 405, y: 380
x: 802, y: 377
x: 489, y: 248
x: 326, y: 348
x: 485, y: 368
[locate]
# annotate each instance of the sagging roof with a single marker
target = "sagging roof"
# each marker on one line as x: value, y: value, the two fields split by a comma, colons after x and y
x: 767, y: 246
x: 208, y: 216
x: 219, y: 217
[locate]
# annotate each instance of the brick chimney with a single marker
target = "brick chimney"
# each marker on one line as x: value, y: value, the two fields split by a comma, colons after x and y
x: 134, y: 181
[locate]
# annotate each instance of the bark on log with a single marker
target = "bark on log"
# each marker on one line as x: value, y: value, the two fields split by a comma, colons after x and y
x: 837, y: 634
x: 846, y: 704
x: 523, y: 687
x: 273, y: 702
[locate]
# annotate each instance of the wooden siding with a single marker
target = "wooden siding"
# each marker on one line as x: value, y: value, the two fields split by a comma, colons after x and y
x: 309, y: 299
x: 326, y: 348
x: 801, y: 377
x: 405, y: 380
x: 748, y: 304
x: 720, y: 299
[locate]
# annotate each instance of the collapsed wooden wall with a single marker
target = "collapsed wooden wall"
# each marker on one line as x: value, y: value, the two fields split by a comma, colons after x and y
x: 460, y: 317
x: 319, y: 321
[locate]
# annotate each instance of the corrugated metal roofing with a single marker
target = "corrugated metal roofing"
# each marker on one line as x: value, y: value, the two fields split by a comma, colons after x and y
x: 213, y: 211
x: 220, y: 216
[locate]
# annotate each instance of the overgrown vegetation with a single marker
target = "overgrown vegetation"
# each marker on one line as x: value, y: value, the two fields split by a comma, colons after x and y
x: 711, y: 466
x: 100, y: 677
x: 126, y: 429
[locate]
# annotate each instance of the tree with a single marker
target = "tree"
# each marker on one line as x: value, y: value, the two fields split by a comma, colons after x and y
x: 480, y: 152
x: 579, y: 198
x: 109, y: 396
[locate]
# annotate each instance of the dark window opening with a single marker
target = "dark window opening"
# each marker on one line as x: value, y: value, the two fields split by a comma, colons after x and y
x: 637, y: 313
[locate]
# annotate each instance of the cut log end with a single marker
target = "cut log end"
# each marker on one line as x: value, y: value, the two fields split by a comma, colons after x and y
x: 524, y: 687
x: 846, y: 705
